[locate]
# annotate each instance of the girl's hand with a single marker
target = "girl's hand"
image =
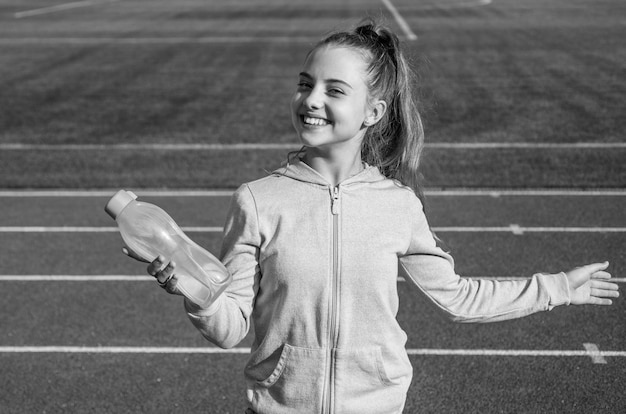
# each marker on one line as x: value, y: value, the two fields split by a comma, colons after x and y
x: 588, y: 285
x: 165, y: 276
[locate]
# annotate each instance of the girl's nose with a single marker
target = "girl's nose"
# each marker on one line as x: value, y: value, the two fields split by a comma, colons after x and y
x: 314, y: 100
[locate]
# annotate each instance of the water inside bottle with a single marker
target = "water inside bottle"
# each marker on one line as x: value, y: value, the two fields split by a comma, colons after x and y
x: 194, y: 290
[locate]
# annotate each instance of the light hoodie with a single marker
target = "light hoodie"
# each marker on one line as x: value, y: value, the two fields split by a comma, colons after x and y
x: 315, y: 269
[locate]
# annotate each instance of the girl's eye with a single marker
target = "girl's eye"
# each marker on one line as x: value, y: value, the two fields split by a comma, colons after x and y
x: 335, y: 92
x: 304, y: 85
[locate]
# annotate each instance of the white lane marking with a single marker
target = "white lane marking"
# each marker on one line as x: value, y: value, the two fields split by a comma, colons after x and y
x: 526, y: 145
x: 242, y: 350
x: 518, y: 230
x: 70, y: 229
x: 150, y: 146
x: 76, y: 278
x: 499, y: 278
x: 121, y: 350
x: 594, y: 352
x: 155, y: 40
x: 512, y: 352
x: 199, y: 229
x: 400, y: 20
x: 61, y: 7
x: 295, y: 146
x: 455, y: 5
x: 134, y: 278
x: 455, y: 192
x: 111, y: 192
x: 61, y: 229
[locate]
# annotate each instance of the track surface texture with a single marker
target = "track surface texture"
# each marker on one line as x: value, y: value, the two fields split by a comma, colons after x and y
x: 181, y: 102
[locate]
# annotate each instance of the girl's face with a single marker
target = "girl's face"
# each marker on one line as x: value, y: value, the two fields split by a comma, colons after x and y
x: 330, y: 106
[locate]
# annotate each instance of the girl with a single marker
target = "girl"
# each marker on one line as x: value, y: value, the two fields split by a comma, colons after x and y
x: 314, y: 247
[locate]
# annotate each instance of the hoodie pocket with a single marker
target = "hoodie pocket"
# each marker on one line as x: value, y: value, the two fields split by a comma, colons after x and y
x: 363, y: 383
x: 362, y: 367
x: 295, y: 383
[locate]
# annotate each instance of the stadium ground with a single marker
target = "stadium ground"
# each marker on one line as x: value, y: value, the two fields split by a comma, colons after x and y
x: 524, y: 110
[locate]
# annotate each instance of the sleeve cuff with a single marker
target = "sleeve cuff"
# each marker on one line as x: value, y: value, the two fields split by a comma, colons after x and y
x: 557, y: 287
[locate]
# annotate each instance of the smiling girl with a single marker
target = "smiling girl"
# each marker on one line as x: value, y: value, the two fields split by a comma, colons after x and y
x: 314, y: 247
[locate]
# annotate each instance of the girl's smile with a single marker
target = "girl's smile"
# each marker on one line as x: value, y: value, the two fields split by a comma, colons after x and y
x: 309, y: 121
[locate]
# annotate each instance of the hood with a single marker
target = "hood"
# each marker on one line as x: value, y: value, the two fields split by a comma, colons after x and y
x: 299, y: 170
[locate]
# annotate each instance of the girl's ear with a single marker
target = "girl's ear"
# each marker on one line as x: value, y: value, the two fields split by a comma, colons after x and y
x: 377, y: 111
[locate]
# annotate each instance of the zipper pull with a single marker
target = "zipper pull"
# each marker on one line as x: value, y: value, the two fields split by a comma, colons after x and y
x: 334, y: 203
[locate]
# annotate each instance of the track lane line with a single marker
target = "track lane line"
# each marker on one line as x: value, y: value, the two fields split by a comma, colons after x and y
x: 111, y: 192
x: 86, y: 229
x: 453, y: 192
x: 243, y: 350
x: 514, y: 229
x: 594, y: 353
x: 142, y: 278
x: 61, y: 7
x: 519, y: 230
x: 295, y: 146
x: 400, y: 20
x: 155, y: 40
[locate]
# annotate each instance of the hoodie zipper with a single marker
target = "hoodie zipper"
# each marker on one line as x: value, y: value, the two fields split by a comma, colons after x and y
x: 334, y: 305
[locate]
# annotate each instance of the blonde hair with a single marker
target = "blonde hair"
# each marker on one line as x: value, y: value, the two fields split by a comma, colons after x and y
x: 394, y: 144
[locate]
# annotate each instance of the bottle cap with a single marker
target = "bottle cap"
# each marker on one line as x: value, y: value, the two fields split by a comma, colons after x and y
x: 118, y: 202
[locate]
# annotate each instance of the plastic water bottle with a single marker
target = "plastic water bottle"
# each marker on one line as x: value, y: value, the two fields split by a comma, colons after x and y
x: 149, y: 232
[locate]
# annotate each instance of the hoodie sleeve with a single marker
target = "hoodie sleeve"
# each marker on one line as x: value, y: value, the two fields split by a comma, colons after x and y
x: 227, y: 321
x: 473, y: 300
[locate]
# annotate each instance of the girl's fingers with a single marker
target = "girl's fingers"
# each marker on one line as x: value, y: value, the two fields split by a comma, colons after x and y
x: 599, y: 301
x: 592, y: 268
x: 597, y: 284
x: 596, y: 267
x: 601, y: 275
x: 155, y: 267
x: 603, y: 293
x: 170, y: 285
x: 164, y: 276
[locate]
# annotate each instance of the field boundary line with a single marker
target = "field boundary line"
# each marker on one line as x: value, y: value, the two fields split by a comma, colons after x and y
x: 241, y: 350
x: 61, y: 7
x: 144, y: 278
x: 295, y: 146
x: 400, y: 20
x: 515, y: 229
x: 453, y: 192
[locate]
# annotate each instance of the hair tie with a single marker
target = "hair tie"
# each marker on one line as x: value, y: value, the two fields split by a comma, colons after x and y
x: 382, y: 40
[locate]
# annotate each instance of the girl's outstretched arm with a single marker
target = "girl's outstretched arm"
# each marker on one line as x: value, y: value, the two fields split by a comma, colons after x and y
x: 487, y: 300
x: 589, y: 285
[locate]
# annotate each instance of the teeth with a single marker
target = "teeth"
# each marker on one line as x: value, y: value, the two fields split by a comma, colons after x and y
x: 315, y: 121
